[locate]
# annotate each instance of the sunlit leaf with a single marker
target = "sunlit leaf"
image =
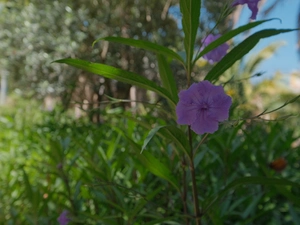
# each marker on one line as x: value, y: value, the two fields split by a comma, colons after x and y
x: 118, y: 74
x: 228, y: 36
x: 240, y: 50
x: 147, y: 45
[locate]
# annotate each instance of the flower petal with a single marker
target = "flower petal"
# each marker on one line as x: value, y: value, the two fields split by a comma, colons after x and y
x: 239, y: 2
x: 254, y: 8
x: 202, y: 106
x: 216, y: 54
x: 204, y: 124
x: 220, y: 107
x: 252, y: 5
x: 186, y: 113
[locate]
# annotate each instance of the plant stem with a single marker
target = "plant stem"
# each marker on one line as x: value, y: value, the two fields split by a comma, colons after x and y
x: 184, y: 193
x: 194, y: 182
x: 195, y: 194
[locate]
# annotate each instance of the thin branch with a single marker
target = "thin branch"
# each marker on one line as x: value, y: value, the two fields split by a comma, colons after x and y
x: 265, y: 112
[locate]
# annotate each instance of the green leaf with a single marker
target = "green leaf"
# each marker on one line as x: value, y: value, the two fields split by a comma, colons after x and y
x: 251, y: 207
x: 27, y: 184
x: 153, y: 164
x: 120, y: 75
x: 295, y: 216
x: 190, y: 10
x: 150, y: 136
x: 159, y: 49
x: 158, y: 168
x: 287, y: 193
x: 176, y: 136
x: 246, y: 181
x: 171, y: 133
x: 228, y: 36
x: 144, y: 201
x: 166, y: 76
x: 240, y: 50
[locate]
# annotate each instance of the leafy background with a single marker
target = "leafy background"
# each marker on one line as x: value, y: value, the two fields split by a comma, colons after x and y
x: 54, y: 160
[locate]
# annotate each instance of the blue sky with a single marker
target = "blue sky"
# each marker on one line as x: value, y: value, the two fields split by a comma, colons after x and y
x: 286, y: 58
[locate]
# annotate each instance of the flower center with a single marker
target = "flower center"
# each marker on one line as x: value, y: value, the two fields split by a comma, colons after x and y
x: 204, y: 107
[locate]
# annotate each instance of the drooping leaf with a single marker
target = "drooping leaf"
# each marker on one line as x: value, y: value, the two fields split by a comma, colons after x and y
x: 147, y: 45
x: 120, y: 75
x: 240, y: 50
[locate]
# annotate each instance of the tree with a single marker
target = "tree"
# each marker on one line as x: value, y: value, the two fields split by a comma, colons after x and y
x: 34, y: 34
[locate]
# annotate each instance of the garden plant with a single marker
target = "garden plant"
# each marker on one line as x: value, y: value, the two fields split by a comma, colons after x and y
x: 196, y: 156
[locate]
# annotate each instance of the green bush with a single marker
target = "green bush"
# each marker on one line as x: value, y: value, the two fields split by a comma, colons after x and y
x: 97, y: 173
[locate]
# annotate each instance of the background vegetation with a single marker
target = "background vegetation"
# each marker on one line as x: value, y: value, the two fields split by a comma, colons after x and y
x: 51, y: 160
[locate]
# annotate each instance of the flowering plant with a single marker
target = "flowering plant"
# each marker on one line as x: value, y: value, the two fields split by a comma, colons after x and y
x: 63, y: 218
x: 216, y: 54
x: 201, y: 106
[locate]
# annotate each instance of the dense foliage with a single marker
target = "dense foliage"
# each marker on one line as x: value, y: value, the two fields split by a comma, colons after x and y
x: 57, y: 163
x: 237, y: 161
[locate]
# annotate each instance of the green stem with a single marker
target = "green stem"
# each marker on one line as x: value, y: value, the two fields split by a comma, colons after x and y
x: 184, y: 193
x: 194, y: 182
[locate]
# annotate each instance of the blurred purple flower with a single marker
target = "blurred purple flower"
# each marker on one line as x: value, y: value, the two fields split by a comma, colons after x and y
x: 203, y: 106
x: 216, y: 54
x: 252, y: 5
x: 63, y: 218
x: 59, y: 166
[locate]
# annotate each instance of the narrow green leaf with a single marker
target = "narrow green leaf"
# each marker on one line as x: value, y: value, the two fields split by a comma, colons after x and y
x: 150, y: 136
x: 190, y: 10
x: 166, y: 76
x: 143, y: 201
x: 246, y: 181
x: 159, y: 49
x: 251, y: 207
x: 287, y: 193
x: 295, y: 216
x: 176, y: 136
x: 153, y: 164
x: 215, y: 217
x: 27, y: 184
x: 240, y: 50
x: 120, y: 75
x: 228, y: 36
x: 158, y: 168
x: 172, y: 134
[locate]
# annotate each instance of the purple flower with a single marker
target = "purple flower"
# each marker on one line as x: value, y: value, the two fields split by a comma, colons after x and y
x: 252, y: 5
x: 203, y: 106
x: 63, y: 218
x: 216, y: 54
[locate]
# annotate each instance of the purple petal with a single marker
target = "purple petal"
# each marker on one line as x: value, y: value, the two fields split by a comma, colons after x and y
x: 239, y: 2
x: 216, y: 54
x: 220, y: 107
x: 254, y: 8
x: 186, y: 113
x: 252, y: 5
x: 204, y: 124
x: 63, y: 218
x: 202, y: 106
